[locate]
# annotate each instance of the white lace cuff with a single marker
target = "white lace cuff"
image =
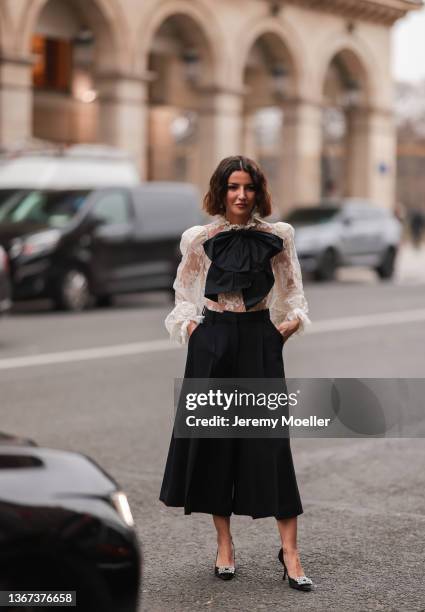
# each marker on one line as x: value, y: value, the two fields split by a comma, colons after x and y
x: 302, y: 316
x: 178, y: 320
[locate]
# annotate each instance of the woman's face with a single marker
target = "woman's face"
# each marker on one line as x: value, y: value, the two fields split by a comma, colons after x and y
x: 240, y: 198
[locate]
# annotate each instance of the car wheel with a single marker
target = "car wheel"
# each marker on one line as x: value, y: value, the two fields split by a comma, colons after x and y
x: 386, y: 269
x: 73, y: 292
x: 326, y: 267
x: 104, y: 301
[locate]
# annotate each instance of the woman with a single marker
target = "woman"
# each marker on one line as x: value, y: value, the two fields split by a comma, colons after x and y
x: 239, y: 295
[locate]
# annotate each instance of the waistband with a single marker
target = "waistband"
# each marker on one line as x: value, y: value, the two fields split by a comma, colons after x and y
x: 227, y: 316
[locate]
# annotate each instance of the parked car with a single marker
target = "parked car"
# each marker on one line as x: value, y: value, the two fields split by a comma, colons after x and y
x: 5, y: 302
x: 65, y: 526
x: 74, y: 245
x: 353, y: 233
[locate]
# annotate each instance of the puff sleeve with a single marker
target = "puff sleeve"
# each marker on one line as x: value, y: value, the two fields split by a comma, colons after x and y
x: 288, y: 301
x: 188, y: 285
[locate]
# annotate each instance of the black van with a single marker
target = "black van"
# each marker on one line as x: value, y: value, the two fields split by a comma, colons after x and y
x: 79, y: 245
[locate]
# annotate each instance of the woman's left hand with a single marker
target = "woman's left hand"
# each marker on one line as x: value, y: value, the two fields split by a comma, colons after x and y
x: 287, y: 328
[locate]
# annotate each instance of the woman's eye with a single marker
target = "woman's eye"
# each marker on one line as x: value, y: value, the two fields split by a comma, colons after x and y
x: 235, y: 187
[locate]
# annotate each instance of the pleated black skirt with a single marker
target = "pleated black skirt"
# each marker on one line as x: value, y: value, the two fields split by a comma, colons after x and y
x: 248, y: 476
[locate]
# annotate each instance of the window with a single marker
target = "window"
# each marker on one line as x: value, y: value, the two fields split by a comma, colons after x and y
x: 112, y: 208
x: 53, y: 64
x: 53, y: 208
x: 308, y: 216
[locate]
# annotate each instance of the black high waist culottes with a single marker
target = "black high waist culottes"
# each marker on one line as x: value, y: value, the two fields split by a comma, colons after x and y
x: 247, y: 476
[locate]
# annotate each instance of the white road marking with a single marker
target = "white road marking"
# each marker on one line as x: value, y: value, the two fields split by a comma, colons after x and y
x: 118, y: 350
x: 153, y: 346
x: 369, y: 320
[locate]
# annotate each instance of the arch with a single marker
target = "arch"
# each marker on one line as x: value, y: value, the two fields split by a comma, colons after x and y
x: 360, y: 54
x: 104, y: 16
x: 201, y: 16
x: 252, y: 31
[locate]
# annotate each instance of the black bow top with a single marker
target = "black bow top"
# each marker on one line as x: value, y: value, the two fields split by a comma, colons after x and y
x: 241, y: 262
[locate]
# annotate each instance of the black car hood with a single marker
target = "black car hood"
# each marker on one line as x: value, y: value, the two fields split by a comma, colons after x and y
x: 9, y: 231
x: 32, y: 475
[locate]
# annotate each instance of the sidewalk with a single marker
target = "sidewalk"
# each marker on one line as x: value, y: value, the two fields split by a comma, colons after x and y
x: 410, y: 265
x: 409, y: 269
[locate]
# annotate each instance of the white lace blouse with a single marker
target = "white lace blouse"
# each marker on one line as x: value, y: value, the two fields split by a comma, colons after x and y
x: 286, y: 299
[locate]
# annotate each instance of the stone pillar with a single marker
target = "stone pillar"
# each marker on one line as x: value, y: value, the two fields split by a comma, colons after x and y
x: 15, y: 101
x: 123, y: 115
x: 249, y: 143
x: 371, y: 155
x: 301, y: 154
x: 220, y: 130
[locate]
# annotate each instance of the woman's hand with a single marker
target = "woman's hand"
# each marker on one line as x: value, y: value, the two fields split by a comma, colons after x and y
x: 191, y: 327
x: 287, y: 328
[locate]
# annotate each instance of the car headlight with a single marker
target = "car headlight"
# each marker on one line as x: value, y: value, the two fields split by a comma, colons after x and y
x: 42, y: 242
x: 121, y: 505
x: 16, y: 248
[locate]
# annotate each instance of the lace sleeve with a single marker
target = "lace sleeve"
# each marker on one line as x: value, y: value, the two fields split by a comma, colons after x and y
x: 288, y: 300
x: 188, y: 285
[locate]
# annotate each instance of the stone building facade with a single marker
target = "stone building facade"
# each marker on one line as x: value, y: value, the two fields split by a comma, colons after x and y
x: 301, y: 85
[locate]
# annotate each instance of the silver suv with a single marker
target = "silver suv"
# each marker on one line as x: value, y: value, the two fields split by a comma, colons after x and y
x: 350, y: 233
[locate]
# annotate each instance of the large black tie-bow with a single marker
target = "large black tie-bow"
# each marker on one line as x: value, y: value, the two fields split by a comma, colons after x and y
x: 241, y: 262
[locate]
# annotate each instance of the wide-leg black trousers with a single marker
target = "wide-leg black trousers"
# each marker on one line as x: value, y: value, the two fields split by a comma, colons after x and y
x: 248, y: 476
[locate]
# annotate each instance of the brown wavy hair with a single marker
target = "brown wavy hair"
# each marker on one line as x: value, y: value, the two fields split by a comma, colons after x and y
x: 214, y: 200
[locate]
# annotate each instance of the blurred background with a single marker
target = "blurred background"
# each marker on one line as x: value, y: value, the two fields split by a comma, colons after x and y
x: 113, y: 115
x: 309, y: 93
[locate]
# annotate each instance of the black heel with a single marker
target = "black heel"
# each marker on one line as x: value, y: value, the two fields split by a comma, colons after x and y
x: 301, y: 583
x: 225, y: 572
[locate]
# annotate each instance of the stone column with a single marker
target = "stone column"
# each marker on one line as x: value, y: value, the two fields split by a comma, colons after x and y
x: 371, y: 155
x: 220, y: 130
x: 123, y: 115
x: 301, y: 154
x: 15, y: 101
x: 249, y: 144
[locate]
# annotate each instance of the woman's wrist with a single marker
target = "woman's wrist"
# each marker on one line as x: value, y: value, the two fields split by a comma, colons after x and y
x: 191, y: 326
x: 287, y: 328
x: 297, y: 323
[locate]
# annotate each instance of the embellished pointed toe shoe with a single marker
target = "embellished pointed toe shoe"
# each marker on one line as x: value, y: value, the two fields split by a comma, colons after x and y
x: 300, y: 583
x: 225, y: 572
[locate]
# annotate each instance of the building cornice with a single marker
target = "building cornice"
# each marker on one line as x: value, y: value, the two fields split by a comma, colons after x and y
x: 381, y: 11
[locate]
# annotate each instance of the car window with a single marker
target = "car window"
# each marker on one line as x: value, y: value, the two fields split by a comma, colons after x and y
x: 54, y: 208
x: 307, y: 216
x: 112, y: 208
x: 7, y: 194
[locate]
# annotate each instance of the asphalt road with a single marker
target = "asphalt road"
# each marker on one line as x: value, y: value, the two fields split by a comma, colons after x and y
x: 102, y: 383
